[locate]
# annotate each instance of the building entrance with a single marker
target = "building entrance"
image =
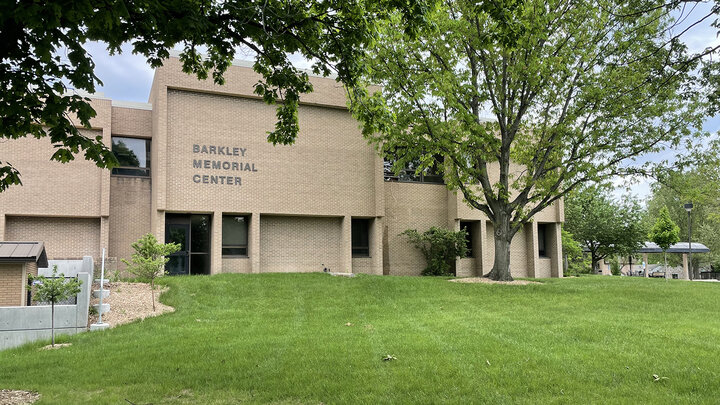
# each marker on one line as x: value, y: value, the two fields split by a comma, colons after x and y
x: 192, y: 233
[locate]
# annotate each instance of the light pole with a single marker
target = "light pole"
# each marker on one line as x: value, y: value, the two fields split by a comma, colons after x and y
x: 688, y: 208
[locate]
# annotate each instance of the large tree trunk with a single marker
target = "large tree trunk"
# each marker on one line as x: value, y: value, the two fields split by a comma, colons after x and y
x: 503, y: 237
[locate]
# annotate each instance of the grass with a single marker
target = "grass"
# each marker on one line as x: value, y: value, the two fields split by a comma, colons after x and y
x: 282, y: 338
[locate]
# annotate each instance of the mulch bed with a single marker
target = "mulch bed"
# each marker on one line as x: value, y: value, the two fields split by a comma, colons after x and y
x: 129, y: 302
x: 16, y: 397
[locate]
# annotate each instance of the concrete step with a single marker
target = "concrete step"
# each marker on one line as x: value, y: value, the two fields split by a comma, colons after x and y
x: 105, y: 308
x: 98, y: 293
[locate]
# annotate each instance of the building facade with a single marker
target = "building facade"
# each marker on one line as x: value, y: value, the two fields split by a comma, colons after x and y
x: 196, y: 169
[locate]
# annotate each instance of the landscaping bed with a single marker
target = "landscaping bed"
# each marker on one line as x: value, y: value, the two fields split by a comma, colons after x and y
x: 129, y: 302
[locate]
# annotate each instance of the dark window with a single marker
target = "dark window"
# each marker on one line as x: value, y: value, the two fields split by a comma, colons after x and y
x: 133, y: 156
x: 542, y: 234
x: 410, y: 173
x: 234, y: 235
x: 469, y: 237
x: 360, y: 237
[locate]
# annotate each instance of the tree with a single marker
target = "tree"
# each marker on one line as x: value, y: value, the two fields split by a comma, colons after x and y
x: 576, y: 91
x: 149, y: 259
x: 42, y: 54
x: 440, y: 247
x: 53, y: 289
x: 699, y: 182
x: 573, y: 254
x: 665, y: 233
x: 603, y: 226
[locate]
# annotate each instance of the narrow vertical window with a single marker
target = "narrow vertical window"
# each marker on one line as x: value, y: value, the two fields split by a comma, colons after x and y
x: 542, y: 234
x: 234, y: 235
x: 360, y: 237
x: 469, y: 237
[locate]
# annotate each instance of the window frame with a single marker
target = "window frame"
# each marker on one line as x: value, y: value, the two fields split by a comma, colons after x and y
x: 224, y: 246
x: 148, y: 161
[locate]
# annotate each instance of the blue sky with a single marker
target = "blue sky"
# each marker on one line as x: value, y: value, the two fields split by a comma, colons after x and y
x: 128, y: 77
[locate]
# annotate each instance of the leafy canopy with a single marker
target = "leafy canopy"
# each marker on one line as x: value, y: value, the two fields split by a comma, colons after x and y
x: 42, y: 54
x: 603, y: 226
x: 53, y: 289
x: 527, y: 100
x: 665, y: 232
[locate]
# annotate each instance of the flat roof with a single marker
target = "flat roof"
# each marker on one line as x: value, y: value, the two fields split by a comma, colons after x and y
x: 680, y: 247
x: 23, y: 252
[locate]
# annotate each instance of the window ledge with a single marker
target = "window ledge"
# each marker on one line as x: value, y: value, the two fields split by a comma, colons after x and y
x: 235, y: 257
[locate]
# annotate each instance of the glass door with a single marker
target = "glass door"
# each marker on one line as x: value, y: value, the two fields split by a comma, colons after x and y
x: 179, y: 261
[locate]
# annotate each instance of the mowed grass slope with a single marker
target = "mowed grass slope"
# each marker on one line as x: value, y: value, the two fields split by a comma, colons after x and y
x: 282, y: 338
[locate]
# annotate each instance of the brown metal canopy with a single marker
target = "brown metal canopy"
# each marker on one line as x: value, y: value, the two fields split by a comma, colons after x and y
x: 23, y: 252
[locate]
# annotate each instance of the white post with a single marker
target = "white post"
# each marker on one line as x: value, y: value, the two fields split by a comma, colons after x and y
x: 102, y: 281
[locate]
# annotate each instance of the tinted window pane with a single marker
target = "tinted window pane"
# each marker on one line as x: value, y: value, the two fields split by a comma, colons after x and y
x: 542, y: 229
x: 200, y: 233
x: 360, y: 237
x: 131, y: 152
x: 234, y: 230
x: 177, y: 265
x: 200, y: 264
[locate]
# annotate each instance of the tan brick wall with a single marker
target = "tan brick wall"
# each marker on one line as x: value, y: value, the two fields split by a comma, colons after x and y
x: 132, y: 122
x: 330, y: 170
x: 11, y: 284
x: 299, y: 244
x: 64, y: 238
x: 129, y: 214
x: 410, y: 206
x: 236, y: 265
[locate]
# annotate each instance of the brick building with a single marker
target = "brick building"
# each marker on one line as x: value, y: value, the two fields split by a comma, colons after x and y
x: 197, y: 169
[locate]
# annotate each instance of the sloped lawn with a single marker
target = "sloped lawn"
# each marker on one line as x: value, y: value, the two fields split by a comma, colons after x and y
x: 283, y: 338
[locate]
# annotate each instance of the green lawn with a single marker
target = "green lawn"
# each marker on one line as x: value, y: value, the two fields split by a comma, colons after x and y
x: 281, y: 338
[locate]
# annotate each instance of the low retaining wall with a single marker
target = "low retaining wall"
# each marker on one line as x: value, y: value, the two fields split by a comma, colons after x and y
x: 19, y: 325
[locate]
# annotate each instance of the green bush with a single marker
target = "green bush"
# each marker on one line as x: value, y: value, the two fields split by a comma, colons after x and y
x: 440, y: 247
x: 615, y: 268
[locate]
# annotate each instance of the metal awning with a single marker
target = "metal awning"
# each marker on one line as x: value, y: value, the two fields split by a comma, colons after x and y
x: 680, y: 247
x: 23, y: 252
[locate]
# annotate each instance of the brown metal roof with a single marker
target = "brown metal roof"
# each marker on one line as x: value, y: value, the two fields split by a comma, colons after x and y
x: 23, y: 252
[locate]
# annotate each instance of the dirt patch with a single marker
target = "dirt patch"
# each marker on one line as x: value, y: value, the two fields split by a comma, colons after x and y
x: 129, y: 302
x: 57, y: 346
x: 488, y: 281
x: 15, y: 397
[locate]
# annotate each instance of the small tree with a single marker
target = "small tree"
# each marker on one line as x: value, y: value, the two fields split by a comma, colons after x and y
x: 440, y: 247
x: 664, y: 233
x: 53, y: 289
x: 149, y: 259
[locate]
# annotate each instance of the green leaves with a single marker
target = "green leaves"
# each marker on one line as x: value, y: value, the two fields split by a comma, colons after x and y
x: 440, y: 247
x: 665, y: 232
x: 42, y: 55
x: 53, y: 289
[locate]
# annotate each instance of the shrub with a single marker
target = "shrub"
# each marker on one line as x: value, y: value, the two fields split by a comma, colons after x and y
x: 440, y: 247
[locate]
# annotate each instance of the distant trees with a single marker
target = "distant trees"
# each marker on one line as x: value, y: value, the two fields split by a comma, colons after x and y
x: 604, y: 227
x: 698, y: 183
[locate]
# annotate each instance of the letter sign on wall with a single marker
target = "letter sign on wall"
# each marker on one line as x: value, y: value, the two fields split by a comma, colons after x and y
x: 228, y: 160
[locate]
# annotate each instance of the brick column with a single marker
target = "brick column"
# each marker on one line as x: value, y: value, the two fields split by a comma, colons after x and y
x: 556, y: 254
x: 531, y: 238
x: 346, y: 247
x: 216, y: 243
x: 2, y: 226
x: 104, y: 236
x: 254, y: 242
x: 376, y: 245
